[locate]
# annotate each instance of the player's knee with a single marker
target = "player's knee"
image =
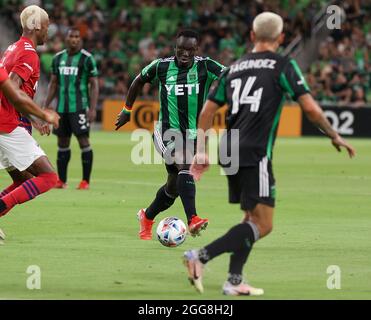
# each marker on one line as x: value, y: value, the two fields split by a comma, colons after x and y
x: 63, y: 142
x: 171, y: 188
x: 83, y: 142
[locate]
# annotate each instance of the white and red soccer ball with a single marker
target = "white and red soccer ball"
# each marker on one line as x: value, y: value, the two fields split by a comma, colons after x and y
x: 171, y: 232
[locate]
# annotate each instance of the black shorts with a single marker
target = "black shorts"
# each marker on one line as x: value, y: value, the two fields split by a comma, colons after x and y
x: 76, y: 123
x: 253, y: 185
x: 176, y: 150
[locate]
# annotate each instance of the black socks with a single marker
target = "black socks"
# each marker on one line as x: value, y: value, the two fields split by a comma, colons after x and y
x: 162, y: 202
x: 239, y: 241
x: 63, y: 157
x: 187, y: 192
x: 87, y: 162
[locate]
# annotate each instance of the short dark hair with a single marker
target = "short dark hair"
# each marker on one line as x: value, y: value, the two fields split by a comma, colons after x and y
x: 72, y: 29
x: 188, y: 33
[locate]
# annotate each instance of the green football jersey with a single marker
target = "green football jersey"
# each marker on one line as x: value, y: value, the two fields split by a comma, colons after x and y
x: 182, y: 91
x: 73, y: 73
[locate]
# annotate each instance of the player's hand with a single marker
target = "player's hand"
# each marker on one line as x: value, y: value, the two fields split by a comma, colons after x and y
x: 339, y: 142
x: 52, y: 117
x: 200, y: 164
x: 92, y: 115
x: 41, y: 126
x: 122, y: 119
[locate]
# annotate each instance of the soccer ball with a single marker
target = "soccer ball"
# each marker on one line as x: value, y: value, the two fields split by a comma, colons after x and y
x: 171, y: 232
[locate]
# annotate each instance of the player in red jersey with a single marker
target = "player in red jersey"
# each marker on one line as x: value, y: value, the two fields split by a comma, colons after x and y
x: 19, y: 152
x: 23, y: 66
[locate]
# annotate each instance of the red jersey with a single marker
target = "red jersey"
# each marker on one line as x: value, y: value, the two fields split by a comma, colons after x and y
x: 3, y: 75
x: 22, y: 59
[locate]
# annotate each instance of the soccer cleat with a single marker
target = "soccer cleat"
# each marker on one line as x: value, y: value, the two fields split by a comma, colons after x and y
x: 196, y: 225
x: 83, y: 185
x: 195, y: 269
x: 243, y: 289
x: 60, y: 185
x: 2, y: 235
x: 145, y: 230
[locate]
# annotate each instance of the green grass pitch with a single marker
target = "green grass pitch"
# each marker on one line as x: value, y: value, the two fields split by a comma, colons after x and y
x: 86, y: 244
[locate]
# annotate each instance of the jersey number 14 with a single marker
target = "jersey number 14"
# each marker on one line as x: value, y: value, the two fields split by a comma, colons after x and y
x: 245, y: 98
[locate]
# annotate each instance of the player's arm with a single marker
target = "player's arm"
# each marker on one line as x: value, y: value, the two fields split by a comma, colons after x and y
x: 24, y: 104
x: 135, y: 88
x: 293, y: 82
x: 217, y: 98
x: 52, y: 91
x: 315, y: 114
x: 148, y: 74
x: 93, y: 88
x: 93, y: 97
x: 42, y: 127
x: 18, y: 81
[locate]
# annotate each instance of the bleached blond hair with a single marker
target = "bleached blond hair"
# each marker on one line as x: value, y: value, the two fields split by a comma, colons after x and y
x: 267, y: 26
x: 32, y: 17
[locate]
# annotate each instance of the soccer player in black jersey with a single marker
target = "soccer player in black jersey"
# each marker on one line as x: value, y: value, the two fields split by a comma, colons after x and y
x: 184, y: 82
x: 254, y: 88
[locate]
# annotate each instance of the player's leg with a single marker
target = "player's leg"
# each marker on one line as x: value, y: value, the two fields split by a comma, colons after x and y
x: 253, y: 188
x: 63, y: 133
x: 165, y: 198
x: 166, y: 195
x: 262, y: 218
x: 23, y: 152
x: 18, y: 178
x: 187, y: 188
x: 81, y: 129
x: 86, y: 159
x: 239, y: 242
x: 63, y: 158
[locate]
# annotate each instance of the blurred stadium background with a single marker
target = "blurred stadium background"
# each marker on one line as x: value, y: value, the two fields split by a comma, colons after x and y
x: 86, y: 243
x: 126, y: 35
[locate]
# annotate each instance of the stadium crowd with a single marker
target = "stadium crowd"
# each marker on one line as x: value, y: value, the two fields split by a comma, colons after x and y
x: 341, y: 74
x: 126, y: 35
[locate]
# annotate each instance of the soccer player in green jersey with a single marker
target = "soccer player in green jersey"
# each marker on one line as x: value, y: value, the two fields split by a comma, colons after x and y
x: 184, y: 82
x: 74, y: 81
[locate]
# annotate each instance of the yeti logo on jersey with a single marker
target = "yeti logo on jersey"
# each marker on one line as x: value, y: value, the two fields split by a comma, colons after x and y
x: 253, y: 64
x: 183, y: 89
x: 68, y: 71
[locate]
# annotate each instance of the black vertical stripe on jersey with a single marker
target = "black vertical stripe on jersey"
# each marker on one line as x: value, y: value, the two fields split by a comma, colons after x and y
x: 182, y: 101
x: 56, y: 63
x: 67, y: 85
x: 201, y: 75
x: 161, y: 73
x: 79, y: 105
